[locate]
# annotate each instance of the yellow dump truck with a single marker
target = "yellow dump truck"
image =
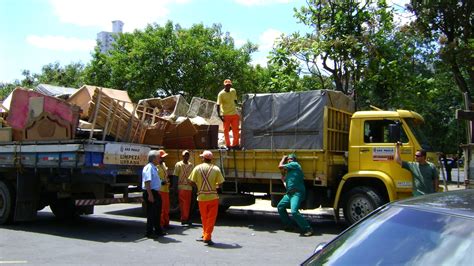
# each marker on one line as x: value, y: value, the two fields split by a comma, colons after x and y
x: 347, y: 157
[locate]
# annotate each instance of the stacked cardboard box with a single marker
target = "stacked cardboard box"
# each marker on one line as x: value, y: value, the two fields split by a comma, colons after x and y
x: 156, y: 132
x: 180, y: 135
x: 206, y: 137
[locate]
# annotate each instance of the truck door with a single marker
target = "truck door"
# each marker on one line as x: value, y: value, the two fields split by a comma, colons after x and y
x: 377, y: 152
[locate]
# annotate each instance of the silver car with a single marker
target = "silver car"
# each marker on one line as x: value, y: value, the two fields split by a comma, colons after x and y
x: 435, y: 229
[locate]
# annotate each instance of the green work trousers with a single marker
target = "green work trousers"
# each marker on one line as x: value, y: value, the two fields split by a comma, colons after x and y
x: 293, y: 201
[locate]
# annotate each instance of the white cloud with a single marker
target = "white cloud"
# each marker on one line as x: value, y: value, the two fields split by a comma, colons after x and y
x: 136, y: 14
x: 239, y: 42
x: 261, y: 2
x: 260, y: 59
x: 267, y: 39
x: 61, y: 43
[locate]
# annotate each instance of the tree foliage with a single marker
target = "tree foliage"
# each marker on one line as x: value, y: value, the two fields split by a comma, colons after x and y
x: 68, y: 76
x: 451, y: 22
x: 168, y: 60
x: 53, y: 73
x: 338, y: 42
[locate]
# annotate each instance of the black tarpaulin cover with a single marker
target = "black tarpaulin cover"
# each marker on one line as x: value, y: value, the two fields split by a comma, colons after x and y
x: 292, y: 120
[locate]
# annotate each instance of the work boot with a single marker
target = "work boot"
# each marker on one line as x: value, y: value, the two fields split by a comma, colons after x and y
x: 209, y: 242
x: 151, y: 236
x: 308, y: 232
x: 186, y: 223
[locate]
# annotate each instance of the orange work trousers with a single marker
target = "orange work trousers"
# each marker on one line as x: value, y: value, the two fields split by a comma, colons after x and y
x: 234, y: 121
x: 165, y: 209
x: 184, y: 203
x: 208, y: 210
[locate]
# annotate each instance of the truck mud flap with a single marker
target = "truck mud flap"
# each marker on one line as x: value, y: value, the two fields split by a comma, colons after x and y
x: 27, y: 197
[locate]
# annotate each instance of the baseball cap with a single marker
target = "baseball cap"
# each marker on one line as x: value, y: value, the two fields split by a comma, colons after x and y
x: 292, y: 156
x: 184, y: 152
x: 162, y: 153
x: 227, y: 81
x: 207, y: 155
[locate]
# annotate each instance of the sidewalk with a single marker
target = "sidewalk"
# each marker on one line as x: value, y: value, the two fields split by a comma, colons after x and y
x: 453, y: 185
x: 262, y: 205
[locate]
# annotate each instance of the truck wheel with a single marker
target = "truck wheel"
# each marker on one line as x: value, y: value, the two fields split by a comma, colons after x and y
x: 64, y: 209
x: 275, y: 199
x: 7, y: 203
x: 360, y: 201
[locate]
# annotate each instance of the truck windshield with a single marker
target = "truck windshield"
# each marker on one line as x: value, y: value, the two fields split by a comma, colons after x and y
x: 415, y: 127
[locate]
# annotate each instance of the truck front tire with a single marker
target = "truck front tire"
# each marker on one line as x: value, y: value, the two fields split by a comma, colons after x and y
x: 7, y: 203
x: 359, y: 202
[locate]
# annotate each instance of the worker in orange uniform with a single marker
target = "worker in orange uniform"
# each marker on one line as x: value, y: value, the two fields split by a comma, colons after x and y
x: 227, y: 112
x: 164, y: 190
x: 182, y: 169
x: 207, y: 178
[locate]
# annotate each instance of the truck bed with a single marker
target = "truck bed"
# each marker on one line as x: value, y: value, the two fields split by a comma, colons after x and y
x: 319, y: 167
x: 71, y: 154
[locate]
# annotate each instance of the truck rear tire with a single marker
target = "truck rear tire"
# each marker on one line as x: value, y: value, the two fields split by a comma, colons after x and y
x: 7, y: 203
x: 359, y: 202
x: 64, y: 209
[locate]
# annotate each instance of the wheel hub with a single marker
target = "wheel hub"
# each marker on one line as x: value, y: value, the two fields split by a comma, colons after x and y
x: 361, y: 207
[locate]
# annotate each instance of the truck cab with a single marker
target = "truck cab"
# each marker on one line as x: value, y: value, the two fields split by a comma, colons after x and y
x: 373, y: 176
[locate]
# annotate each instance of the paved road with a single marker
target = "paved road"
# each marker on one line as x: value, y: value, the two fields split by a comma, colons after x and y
x: 114, y: 235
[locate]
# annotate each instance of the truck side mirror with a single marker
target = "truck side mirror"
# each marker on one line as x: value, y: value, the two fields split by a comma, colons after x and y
x: 394, y: 132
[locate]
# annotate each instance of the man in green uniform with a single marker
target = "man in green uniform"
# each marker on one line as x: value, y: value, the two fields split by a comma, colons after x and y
x: 425, y: 175
x: 293, y: 179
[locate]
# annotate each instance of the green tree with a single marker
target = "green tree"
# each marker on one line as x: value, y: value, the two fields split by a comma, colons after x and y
x: 68, y: 76
x: 336, y: 46
x: 168, y: 60
x: 7, y: 88
x: 451, y: 22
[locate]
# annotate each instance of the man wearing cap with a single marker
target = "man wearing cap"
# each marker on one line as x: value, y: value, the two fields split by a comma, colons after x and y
x: 227, y: 112
x: 207, y: 178
x: 150, y: 185
x: 164, y: 190
x: 293, y: 179
x: 182, y: 169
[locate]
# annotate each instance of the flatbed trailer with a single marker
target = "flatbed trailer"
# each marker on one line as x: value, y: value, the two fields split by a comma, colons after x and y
x: 69, y: 176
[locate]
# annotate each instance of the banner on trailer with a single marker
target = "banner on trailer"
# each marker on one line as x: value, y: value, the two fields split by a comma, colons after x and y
x: 125, y: 154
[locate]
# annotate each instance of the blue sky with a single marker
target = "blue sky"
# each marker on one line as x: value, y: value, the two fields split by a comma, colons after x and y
x: 38, y: 32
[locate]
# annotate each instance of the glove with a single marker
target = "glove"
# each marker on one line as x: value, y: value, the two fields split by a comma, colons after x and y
x: 219, y: 190
x: 163, y: 182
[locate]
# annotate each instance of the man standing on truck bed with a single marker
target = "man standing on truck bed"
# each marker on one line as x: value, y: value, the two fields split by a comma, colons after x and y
x: 164, y: 190
x: 207, y: 178
x: 151, y: 184
x: 182, y: 169
x: 425, y: 176
x: 295, y: 194
x: 227, y: 112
